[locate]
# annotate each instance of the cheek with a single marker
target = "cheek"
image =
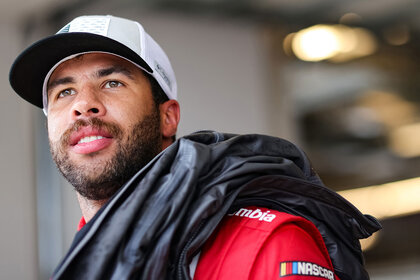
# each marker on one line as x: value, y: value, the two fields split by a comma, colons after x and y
x: 126, y: 115
x: 54, y: 131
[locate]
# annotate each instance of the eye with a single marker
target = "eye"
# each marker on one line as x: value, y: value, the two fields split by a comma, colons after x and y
x: 66, y: 92
x: 113, y: 84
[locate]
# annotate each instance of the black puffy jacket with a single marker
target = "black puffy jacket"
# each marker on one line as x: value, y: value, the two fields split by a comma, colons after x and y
x: 159, y: 220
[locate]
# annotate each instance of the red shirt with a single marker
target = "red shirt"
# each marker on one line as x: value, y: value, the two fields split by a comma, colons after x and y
x: 259, y: 243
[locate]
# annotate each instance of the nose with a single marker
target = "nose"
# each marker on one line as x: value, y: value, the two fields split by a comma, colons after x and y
x: 87, y: 104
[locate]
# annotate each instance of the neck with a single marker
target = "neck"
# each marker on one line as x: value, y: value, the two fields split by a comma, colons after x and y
x: 89, y: 207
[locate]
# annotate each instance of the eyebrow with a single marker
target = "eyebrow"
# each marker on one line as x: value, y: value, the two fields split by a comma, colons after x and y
x: 57, y: 82
x: 99, y: 74
x: 114, y: 69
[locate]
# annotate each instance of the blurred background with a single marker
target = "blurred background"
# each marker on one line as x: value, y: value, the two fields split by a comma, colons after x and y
x: 338, y: 78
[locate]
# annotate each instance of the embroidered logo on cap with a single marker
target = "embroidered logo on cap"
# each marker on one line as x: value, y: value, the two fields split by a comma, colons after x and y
x: 162, y: 73
x: 305, y: 269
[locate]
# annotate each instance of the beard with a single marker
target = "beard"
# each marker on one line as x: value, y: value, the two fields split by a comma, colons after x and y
x: 102, y: 180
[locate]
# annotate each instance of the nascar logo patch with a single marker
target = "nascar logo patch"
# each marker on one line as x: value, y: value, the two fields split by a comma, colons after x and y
x: 305, y: 269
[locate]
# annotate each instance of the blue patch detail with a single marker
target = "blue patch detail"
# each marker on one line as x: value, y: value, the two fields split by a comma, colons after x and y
x: 295, y: 267
x: 65, y: 29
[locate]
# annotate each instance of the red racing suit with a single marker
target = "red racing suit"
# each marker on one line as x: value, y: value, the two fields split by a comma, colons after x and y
x: 259, y: 243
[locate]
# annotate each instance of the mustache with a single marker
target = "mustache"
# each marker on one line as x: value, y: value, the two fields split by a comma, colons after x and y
x: 112, y: 128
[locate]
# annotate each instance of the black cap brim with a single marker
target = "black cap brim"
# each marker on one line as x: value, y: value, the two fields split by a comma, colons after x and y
x: 30, y: 68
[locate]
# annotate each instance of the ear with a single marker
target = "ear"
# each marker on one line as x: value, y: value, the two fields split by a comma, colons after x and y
x: 169, y: 119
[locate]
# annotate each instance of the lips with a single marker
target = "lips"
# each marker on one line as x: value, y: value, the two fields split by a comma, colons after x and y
x: 88, y: 140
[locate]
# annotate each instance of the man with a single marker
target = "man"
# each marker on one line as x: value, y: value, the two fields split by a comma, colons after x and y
x: 208, y: 206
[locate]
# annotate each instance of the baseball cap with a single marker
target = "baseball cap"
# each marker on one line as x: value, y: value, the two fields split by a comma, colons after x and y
x: 125, y: 38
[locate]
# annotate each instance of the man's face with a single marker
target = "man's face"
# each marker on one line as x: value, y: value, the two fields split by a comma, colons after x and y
x: 103, y: 125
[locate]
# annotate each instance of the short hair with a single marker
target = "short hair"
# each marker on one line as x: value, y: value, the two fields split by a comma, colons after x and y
x: 159, y: 96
